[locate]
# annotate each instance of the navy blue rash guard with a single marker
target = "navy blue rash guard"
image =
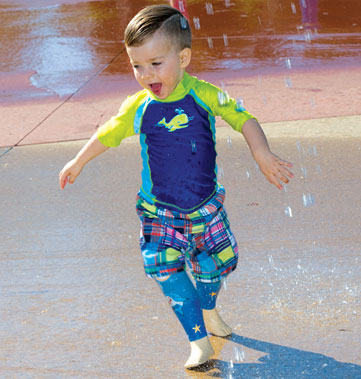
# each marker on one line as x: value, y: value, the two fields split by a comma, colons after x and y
x: 178, y: 138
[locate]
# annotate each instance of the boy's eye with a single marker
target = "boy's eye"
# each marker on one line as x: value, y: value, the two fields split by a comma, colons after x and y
x: 156, y: 63
x: 136, y: 66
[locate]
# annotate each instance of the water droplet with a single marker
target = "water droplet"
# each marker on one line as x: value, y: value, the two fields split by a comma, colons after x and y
x: 242, y: 355
x: 308, y: 199
x: 227, y: 3
x: 293, y: 7
x: 196, y: 22
x: 288, y: 63
x: 181, y: 6
x: 304, y: 172
x: 229, y: 141
x: 288, y: 211
x: 298, y: 144
x: 288, y: 82
x: 240, y: 105
x: 210, y: 42
x: 308, y: 35
x: 184, y: 23
x: 248, y: 174
x: 220, y: 171
x: 312, y: 102
x: 225, y: 40
x: 224, y: 284
x: 271, y: 261
x: 318, y: 168
x: 237, y: 354
x: 223, y: 97
x: 285, y: 187
x: 194, y: 146
x: 209, y: 8
x: 231, y: 366
x: 259, y: 20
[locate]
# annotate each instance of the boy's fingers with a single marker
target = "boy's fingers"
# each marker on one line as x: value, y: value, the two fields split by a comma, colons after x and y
x: 63, y: 182
x: 63, y: 179
x: 286, y: 172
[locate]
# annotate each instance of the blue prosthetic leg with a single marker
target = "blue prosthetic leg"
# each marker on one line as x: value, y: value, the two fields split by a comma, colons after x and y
x: 208, y: 293
x: 184, y: 299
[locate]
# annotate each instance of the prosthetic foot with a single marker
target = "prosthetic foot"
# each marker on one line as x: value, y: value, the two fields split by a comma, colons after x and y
x: 201, y: 352
x: 215, y: 324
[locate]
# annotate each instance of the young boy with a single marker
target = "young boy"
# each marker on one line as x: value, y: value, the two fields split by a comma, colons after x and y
x: 180, y: 202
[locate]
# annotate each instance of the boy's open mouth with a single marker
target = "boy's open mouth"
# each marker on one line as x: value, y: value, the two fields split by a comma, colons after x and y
x: 156, y: 88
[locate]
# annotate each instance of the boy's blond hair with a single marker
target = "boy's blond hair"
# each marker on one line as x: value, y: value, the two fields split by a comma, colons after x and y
x: 163, y: 18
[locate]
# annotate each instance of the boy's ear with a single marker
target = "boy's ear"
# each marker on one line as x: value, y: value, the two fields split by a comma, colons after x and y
x: 185, y: 57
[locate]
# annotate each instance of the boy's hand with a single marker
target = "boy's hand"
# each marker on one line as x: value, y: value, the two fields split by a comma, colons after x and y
x: 69, y: 173
x: 274, y: 168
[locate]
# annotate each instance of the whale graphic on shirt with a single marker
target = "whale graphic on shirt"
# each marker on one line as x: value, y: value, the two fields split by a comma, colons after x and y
x: 179, y: 121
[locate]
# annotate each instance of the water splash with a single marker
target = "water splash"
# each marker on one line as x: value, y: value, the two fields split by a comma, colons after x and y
x: 308, y: 199
x: 239, y: 354
x: 209, y: 8
x: 196, y: 23
x: 224, y: 282
x: 181, y: 6
x: 194, y: 146
x: 184, y: 23
x: 229, y: 141
x: 288, y: 211
x: 223, y: 97
x: 240, y: 104
x: 225, y: 40
x: 288, y: 82
x: 293, y: 8
x: 288, y: 63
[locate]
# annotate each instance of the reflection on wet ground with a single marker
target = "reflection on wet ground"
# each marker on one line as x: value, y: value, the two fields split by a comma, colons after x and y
x: 59, y: 45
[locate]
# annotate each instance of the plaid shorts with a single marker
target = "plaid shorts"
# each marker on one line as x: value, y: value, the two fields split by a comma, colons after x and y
x: 203, y: 239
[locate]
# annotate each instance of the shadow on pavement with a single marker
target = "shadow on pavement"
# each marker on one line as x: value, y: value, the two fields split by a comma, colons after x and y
x: 280, y: 362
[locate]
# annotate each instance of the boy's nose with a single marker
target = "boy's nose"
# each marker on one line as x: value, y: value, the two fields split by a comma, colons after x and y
x: 147, y: 73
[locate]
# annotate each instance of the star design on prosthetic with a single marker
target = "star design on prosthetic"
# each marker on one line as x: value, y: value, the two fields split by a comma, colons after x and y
x: 197, y: 328
x: 213, y: 294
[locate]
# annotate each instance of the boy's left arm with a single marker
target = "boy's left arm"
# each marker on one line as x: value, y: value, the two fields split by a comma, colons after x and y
x: 273, y: 168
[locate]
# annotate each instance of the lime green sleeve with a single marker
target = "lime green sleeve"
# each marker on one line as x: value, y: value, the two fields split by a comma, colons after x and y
x: 120, y: 126
x: 222, y: 105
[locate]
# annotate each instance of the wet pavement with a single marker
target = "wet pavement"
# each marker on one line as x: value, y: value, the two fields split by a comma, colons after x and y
x: 75, y: 302
x: 63, y: 69
x: 54, y: 48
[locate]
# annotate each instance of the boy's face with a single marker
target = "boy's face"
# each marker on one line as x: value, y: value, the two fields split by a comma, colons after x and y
x: 158, y: 66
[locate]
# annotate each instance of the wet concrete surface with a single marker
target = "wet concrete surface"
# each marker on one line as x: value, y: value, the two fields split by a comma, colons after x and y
x: 53, y: 48
x: 75, y: 302
x: 63, y: 69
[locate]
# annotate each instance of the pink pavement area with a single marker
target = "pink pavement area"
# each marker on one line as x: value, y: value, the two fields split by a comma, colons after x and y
x: 271, y: 96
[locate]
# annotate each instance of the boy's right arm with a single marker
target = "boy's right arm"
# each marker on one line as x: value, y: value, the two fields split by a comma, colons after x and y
x: 72, y: 169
